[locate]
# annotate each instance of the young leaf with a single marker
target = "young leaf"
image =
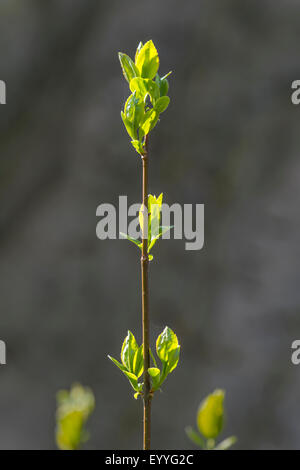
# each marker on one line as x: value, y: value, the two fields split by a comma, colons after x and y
x: 227, y: 443
x: 154, y: 209
x: 147, y: 60
x: 69, y: 431
x: 195, y: 437
x: 133, y: 380
x: 134, y: 110
x: 153, y: 358
x: 139, y: 86
x: 128, y: 67
x: 166, y: 342
x: 163, y: 84
x: 138, y: 146
x: 138, y: 362
x: 155, y: 376
x: 166, y: 76
x: 117, y: 363
x: 162, y: 230
x: 210, y: 415
x: 129, y: 348
x: 144, y: 87
x: 149, y: 121
x: 129, y: 126
x: 131, y: 239
x: 173, y: 359
x: 162, y: 104
x: 138, y: 49
x: 73, y: 409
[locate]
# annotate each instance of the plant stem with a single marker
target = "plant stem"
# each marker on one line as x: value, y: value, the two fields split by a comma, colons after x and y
x: 147, y: 397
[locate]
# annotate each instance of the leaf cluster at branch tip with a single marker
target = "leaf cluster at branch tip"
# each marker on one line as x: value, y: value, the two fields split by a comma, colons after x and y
x: 149, y: 93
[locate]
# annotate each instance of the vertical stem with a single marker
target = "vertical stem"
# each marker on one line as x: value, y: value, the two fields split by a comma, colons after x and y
x: 145, y: 305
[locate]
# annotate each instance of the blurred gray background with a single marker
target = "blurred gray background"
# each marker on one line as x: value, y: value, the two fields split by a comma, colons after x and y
x: 229, y: 140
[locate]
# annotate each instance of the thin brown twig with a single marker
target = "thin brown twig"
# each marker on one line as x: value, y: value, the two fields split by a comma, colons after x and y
x: 147, y: 396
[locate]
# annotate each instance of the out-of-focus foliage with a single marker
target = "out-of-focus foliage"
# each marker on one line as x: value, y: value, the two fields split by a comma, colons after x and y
x: 210, y: 421
x: 73, y: 409
x: 210, y: 417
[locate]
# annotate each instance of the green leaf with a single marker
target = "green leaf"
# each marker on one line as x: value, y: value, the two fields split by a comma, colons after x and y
x: 131, y: 239
x: 133, y: 380
x: 139, y: 86
x: 166, y: 342
x: 170, y: 364
x: 168, y: 351
x: 166, y: 76
x: 69, y: 431
x: 136, y: 365
x: 128, y: 67
x: 138, y: 49
x: 138, y: 146
x: 128, y: 350
x: 154, y: 209
x: 227, y: 443
x: 149, y: 121
x: 117, y: 363
x: 162, y: 104
x: 147, y: 60
x: 153, y: 90
x: 73, y: 409
x: 162, y: 230
x: 173, y: 359
x: 134, y: 111
x: 163, y: 84
x: 129, y: 126
x: 155, y: 376
x: 195, y: 437
x: 210, y: 415
x: 144, y: 87
x: 138, y: 362
x: 153, y: 358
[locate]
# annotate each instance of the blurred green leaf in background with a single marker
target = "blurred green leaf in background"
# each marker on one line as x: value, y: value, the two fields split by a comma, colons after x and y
x: 210, y: 421
x: 73, y: 410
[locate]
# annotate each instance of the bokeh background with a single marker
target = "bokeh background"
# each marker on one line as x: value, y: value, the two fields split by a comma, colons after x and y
x: 230, y: 140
